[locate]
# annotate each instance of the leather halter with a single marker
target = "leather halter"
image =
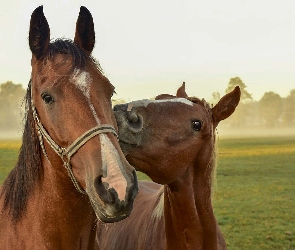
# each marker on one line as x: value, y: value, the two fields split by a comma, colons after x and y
x: 66, y: 153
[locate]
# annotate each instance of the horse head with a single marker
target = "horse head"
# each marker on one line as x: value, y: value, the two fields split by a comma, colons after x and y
x: 71, y: 102
x: 163, y: 137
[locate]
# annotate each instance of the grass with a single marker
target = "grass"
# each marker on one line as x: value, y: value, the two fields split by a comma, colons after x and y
x: 255, y: 193
x: 254, y: 201
x: 8, y: 156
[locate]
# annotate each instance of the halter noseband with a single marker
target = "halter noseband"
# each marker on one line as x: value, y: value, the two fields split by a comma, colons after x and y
x: 66, y: 153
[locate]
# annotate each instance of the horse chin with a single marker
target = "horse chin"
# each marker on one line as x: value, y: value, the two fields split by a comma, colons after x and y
x: 104, y: 212
x: 127, y: 147
x: 146, y: 165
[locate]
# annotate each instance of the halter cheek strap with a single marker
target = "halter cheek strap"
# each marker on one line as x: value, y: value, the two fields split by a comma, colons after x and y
x: 66, y: 153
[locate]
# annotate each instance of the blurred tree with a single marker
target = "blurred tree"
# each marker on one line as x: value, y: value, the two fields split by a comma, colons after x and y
x: 288, y: 116
x: 270, y: 109
x: 117, y: 101
x: 241, y: 116
x: 11, y: 96
x: 215, y: 98
x: 236, y: 81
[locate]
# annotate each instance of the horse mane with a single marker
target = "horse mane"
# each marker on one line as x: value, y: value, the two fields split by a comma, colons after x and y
x: 159, y: 208
x: 79, y: 56
x: 28, y: 170
x: 213, y: 162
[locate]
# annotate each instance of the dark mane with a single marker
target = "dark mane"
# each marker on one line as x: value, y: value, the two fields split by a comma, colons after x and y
x: 78, y: 55
x: 29, y: 170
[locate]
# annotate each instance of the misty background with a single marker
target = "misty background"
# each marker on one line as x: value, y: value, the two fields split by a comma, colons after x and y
x: 271, y: 115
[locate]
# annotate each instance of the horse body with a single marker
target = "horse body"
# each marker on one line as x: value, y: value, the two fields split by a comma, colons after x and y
x: 172, y: 140
x: 144, y: 228
x: 71, y: 170
x: 163, y: 217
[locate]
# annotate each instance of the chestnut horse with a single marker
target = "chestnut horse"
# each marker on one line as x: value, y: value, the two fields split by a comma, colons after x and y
x: 172, y: 140
x: 70, y: 170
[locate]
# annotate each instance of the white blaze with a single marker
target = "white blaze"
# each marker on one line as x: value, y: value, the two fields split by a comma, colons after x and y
x: 146, y: 102
x: 111, y: 163
x: 83, y: 80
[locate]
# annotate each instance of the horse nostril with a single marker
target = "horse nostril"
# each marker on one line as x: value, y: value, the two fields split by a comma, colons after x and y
x: 101, y: 190
x: 134, y: 121
x: 132, y: 116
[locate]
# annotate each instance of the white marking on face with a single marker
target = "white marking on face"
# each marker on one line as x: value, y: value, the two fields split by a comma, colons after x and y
x: 94, y: 113
x: 83, y: 80
x: 111, y: 163
x: 146, y: 102
x: 112, y: 167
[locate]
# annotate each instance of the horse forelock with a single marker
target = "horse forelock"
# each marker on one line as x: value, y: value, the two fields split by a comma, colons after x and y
x: 202, y: 102
x: 79, y: 56
x: 28, y: 169
x: 79, y: 60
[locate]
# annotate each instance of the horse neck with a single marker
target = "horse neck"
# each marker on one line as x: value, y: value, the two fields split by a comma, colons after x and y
x: 202, y: 185
x: 182, y: 225
x: 61, y: 206
x: 189, y: 219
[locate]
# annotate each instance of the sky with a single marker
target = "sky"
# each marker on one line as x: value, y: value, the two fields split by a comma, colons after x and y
x: 150, y: 47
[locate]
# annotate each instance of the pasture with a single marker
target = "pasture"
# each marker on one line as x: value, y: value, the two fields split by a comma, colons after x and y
x: 255, y: 193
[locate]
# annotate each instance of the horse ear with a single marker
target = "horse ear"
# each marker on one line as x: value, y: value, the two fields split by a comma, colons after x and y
x: 39, y: 34
x: 226, y: 106
x: 181, y: 91
x: 85, y: 35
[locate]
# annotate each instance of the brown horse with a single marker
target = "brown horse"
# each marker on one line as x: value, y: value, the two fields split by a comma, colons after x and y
x: 172, y: 140
x: 71, y: 170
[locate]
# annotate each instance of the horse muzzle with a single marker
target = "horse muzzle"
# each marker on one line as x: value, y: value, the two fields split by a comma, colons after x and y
x: 106, y: 201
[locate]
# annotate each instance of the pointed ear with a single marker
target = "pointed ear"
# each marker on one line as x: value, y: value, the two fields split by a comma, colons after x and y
x: 85, y: 35
x: 226, y: 106
x: 181, y: 91
x: 39, y: 34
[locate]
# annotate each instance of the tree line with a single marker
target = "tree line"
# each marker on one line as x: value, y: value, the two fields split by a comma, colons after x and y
x: 271, y: 111
x: 11, y: 113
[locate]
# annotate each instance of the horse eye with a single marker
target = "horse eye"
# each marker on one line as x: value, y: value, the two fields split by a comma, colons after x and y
x: 48, y: 99
x: 196, y: 125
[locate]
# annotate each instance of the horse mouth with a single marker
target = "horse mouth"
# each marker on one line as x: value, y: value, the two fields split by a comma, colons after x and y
x: 127, y: 142
x: 114, y: 209
x: 103, y: 216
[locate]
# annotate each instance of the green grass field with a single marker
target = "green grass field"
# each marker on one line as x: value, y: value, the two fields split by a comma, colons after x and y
x: 8, y: 156
x: 255, y: 194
